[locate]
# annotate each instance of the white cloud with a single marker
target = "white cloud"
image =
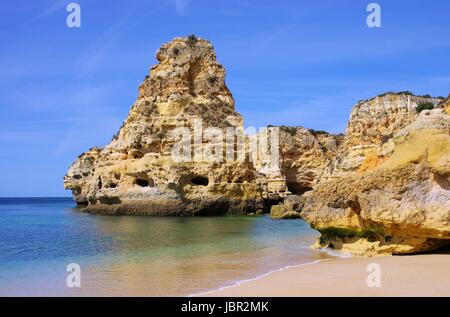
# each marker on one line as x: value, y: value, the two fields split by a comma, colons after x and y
x: 181, y: 5
x: 52, y: 8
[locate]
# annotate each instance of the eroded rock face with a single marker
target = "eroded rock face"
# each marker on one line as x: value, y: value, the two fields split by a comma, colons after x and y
x: 303, y: 156
x: 445, y: 105
x: 382, y: 188
x: 399, y: 205
x: 373, y: 123
x: 136, y: 172
x: 289, y: 209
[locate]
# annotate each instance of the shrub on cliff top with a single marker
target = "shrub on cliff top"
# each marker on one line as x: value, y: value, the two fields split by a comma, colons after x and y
x: 192, y: 39
x: 424, y: 106
x: 291, y: 130
x: 316, y: 132
x: 398, y: 93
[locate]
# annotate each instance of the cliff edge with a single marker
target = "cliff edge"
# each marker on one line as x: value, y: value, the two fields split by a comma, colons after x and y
x: 383, y: 187
x: 138, y: 173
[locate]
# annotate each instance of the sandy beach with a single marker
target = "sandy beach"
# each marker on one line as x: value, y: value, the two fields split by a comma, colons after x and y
x: 418, y: 275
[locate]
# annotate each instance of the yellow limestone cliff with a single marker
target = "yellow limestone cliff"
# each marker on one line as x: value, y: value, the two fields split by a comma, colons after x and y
x: 401, y: 204
x: 381, y: 188
x: 137, y: 174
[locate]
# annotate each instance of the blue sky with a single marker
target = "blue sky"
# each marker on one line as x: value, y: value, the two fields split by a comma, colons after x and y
x: 305, y: 63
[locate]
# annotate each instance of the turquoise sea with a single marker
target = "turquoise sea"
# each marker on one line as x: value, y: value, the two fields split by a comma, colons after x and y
x: 145, y: 256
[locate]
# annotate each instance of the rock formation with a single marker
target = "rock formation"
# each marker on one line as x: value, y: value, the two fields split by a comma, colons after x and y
x: 445, y: 105
x: 304, y: 154
x: 381, y: 188
x: 372, y: 123
x: 397, y: 204
x: 136, y: 173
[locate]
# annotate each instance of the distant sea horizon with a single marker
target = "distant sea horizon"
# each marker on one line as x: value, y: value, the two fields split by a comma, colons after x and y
x: 2, y: 197
x: 139, y: 255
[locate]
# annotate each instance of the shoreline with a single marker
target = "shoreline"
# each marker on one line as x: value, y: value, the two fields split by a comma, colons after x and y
x: 249, y: 280
x: 334, y: 256
x: 407, y: 275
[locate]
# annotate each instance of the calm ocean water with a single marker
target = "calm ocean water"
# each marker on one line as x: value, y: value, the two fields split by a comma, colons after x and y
x: 131, y: 255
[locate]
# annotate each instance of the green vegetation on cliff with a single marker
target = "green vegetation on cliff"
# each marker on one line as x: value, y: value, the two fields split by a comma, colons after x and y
x: 424, y: 106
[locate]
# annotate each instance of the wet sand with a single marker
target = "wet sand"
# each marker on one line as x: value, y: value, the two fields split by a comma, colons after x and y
x: 417, y: 275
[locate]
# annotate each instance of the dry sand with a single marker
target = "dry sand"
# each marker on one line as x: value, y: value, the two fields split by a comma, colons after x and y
x: 417, y: 275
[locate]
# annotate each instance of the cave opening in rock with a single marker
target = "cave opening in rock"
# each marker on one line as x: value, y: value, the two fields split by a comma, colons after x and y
x: 144, y: 182
x: 200, y: 180
x: 137, y: 154
x: 297, y: 188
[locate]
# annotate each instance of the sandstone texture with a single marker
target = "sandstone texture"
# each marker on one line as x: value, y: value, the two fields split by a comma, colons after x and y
x: 445, y: 105
x: 137, y: 174
x: 289, y: 209
x: 304, y: 155
x: 382, y: 187
x: 398, y: 205
x: 372, y: 123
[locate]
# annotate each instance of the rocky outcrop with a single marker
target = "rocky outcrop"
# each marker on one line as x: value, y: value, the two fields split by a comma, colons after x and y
x: 382, y: 188
x: 303, y: 156
x: 400, y: 204
x: 138, y: 173
x: 373, y: 123
x: 445, y: 105
x: 377, y: 119
x: 289, y: 209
